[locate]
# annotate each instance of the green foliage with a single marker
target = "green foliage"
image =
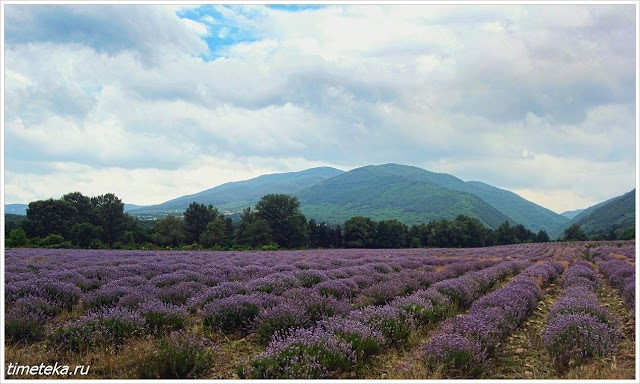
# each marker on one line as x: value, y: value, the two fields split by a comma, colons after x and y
x: 11, y: 222
x: 81, y: 336
x: 605, y: 218
x: 252, y: 230
x: 17, y: 238
x: 574, y: 232
x: 27, y: 327
x: 391, y: 234
x: 287, y: 224
x: 85, y: 233
x: 111, y: 217
x: 45, y: 217
x: 542, y: 237
x: 215, y: 234
x: 169, y: 231
x: 360, y: 232
x: 196, y: 218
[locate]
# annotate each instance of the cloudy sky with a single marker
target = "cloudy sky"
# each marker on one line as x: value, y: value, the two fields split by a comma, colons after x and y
x: 153, y: 102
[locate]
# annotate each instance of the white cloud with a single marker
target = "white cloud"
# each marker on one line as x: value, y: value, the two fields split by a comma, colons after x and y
x: 529, y: 98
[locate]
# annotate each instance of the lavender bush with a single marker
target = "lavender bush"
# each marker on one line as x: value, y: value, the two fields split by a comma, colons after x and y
x: 178, y: 356
x: 284, y: 317
x: 395, y: 325
x: 304, y: 354
x: 455, y: 354
x: 572, y: 338
x: 109, y: 326
x: 161, y: 317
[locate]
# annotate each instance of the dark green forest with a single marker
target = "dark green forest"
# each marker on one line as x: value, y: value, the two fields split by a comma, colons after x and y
x: 275, y: 222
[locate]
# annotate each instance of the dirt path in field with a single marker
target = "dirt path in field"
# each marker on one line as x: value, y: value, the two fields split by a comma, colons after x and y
x: 522, y: 355
x: 621, y: 366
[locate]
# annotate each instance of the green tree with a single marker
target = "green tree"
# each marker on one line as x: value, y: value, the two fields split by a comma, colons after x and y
x: 110, y: 216
x: 85, y: 210
x: 360, y: 232
x: 169, y: 231
x: 51, y: 216
x: 505, y: 234
x: 574, y: 233
x: 17, y: 238
x: 391, y: 234
x: 475, y: 234
x: 215, y: 234
x: 282, y: 213
x: 84, y: 234
x: 542, y: 237
x: 252, y: 231
x: 196, y: 218
x: 419, y: 235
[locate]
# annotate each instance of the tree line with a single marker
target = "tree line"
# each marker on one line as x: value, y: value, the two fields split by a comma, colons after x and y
x: 276, y: 221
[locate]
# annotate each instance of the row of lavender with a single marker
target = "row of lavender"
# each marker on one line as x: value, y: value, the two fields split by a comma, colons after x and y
x: 340, y: 343
x: 228, y: 292
x: 621, y: 275
x: 463, y: 344
x: 578, y: 327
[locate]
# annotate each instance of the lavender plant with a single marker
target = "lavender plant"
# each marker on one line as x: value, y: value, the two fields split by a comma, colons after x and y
x: 179, y: 356
x: 454, y: 354
x: 304, y: 354
x: 111, y: 326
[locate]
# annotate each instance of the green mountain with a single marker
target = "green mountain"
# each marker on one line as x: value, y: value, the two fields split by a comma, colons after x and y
x: 618, y: 213
x: 21, y: 209
x: 16, y: 209
x: 234, y: 196
x: 521, y: 210
x: 443, y: 196
x: 572, y: 214
x: 409, y: 194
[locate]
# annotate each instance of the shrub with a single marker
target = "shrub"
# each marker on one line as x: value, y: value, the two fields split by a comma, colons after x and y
x: 284, y: 317
x: 24, y: 325
x: 178, y: 356
x: 572, y: 338
x: 304, y: 354
x: 395, y: 325
x: 161, y: 317
x: 235, y: 313
x: 111, y: 326
x: 364, y: 340
x: 458, y: 356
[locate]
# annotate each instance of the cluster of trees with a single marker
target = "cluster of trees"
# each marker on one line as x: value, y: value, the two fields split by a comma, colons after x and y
x: 76, y: 220
x: 463, y: 231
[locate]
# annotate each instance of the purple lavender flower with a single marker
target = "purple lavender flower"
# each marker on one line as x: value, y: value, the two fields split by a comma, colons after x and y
x: 303, y: 354
x: 283, y: 317
x: 459, y: 356
x: 107, y: 326
x: 572, y: 338
x: 235, y: 313
x: 393, y: 323
x: 340, y: 288
x: 160, y: 316
x: 364, y: 340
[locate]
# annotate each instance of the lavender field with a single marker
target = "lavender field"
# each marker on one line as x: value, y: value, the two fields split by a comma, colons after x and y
x: 529, y: 311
